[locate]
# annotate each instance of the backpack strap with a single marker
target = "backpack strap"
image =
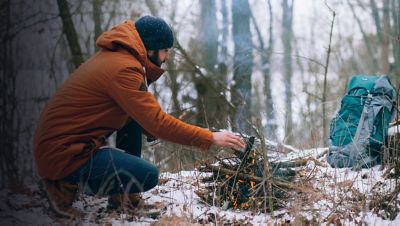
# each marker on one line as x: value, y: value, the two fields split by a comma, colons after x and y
x: 362, y: 118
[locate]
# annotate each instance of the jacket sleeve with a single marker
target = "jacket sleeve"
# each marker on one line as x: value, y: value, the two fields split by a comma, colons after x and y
x: 144, y: 108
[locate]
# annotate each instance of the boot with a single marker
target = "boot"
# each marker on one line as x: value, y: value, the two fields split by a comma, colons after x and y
x: 121, y: 201
x: 61, y: 195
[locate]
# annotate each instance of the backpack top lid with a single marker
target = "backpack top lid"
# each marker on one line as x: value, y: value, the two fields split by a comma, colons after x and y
x: 364, y: 84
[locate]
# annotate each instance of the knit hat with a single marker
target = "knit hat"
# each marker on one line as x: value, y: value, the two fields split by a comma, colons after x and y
x: 155, y: 33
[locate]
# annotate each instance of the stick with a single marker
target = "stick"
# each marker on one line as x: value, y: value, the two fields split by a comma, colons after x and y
x: 248, y: 177
x: 267, y: 173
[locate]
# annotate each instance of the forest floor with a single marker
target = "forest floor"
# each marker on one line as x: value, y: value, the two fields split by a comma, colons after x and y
x: 328, y: 195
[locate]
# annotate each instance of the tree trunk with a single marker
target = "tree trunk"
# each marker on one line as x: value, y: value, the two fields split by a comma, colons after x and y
x: 287, y: 33
x: 208, y: 34
x: 266, y: 61
x: 9, y: 171
x: 175, y: 87
x: 209, y: 114
x: 325, y: 87
x: 70, y: 32
x: 370, y: 48
x: 152, y: 7
x: 222, y: 73
x: 97, y: 19
x: 377, y: 19
x: 243, y: 65
x: 224, y: 38
x: 266, y: 69
x: 385, y: 38
x: 395, y: 70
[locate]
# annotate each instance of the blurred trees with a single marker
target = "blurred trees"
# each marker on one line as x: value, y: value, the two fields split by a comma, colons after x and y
x: 265, y: 52
x: 287, y: 34
x: 242, y: 65
x: 208, y: 51
x: 225, y: 49
x: 271, y: 124
x: 382, y: 43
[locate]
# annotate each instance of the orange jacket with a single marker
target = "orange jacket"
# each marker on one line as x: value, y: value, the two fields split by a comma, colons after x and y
x: 98, y: 98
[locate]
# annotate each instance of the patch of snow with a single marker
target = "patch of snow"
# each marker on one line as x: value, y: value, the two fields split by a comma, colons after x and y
x: 333, y: 192
x: 394, y: 130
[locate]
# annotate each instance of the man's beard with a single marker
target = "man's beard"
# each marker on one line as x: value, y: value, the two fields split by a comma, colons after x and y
x: 154, y: 59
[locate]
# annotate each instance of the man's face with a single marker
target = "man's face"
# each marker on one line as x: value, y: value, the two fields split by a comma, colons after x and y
x: 158, y: 57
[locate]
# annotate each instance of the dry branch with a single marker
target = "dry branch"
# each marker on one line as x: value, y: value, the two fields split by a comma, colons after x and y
x: 250, y: 180
x: 244, y: 176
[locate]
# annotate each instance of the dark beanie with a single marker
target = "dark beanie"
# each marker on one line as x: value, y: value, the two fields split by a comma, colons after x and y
x: 155, y: 33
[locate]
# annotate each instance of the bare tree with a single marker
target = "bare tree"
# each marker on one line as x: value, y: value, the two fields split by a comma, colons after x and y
x: 382, y: 31
x: 287, y: 34
x: 152, y: 7
x: 225, y: 30
x: 266, y: 64
x: 367, y: 40
x: 8, y: 101
x: 384, y: 38
x: 208, y: 34
x: 70, y: 32
x: 208, y: 50
x: 376, y: 17
x: 266, y: 69
x: 222, y: 72
x: 242, y: 63
x: 97, y: 19
x: 325, y: 87
x: 395, y: 9
x: 173, y: 74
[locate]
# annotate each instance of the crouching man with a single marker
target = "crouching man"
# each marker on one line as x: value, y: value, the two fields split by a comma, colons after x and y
x: 109, y: 93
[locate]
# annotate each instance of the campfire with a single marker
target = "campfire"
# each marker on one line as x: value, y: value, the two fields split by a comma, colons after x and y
x: 248, y: 180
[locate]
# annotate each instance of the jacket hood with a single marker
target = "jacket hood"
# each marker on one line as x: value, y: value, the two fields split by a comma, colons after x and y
x: 126, y: 35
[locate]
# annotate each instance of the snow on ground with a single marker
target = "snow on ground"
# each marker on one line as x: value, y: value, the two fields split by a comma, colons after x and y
x: 394, y: 130
x: 326, y: 195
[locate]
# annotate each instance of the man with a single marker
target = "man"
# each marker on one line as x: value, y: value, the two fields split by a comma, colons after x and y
x: 109, y: 93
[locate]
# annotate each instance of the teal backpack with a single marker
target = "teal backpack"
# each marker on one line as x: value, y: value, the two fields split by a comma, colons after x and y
x: 358, y: 130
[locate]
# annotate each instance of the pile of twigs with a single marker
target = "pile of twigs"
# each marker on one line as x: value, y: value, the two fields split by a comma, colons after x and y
x: 248, y: 180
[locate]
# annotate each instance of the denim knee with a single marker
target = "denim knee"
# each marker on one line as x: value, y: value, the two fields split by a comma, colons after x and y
x: 152, y: 180
x: 138, y: 176
x: 112, y: 171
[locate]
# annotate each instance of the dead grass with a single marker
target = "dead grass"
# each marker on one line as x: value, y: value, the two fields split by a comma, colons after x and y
x: 174, y: 221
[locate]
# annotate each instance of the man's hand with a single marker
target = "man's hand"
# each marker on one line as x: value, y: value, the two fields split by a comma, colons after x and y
x: 228, y: 140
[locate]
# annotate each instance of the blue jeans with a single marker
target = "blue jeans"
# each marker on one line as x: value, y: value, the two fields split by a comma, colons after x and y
x: 112, y: 171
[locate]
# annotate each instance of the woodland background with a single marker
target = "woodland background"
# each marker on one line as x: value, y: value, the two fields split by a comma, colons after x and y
x: 284, y: 62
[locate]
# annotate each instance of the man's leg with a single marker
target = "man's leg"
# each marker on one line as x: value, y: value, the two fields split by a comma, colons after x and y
x: 129, y: 138
x: 112, y: 172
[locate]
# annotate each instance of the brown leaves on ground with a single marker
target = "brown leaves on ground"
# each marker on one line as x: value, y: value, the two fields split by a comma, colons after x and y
x: 174, y: 221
